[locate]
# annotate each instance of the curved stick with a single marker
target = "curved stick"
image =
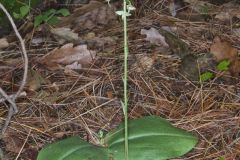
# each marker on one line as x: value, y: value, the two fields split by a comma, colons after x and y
x: 13, y: 107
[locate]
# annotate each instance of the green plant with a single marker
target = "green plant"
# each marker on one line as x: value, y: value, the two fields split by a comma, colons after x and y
x: 222, y: 66
x: 18, y: 8
x: 206, y: 76
x: 23, y: 11
x: 150, y: 138
x: 127, y: 8
x: 50, y: 17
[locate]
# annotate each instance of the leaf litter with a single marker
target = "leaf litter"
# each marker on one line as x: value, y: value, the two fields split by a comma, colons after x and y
x: 68, y: 56
x: 154, y: 37
x: 64, y: 34
x: 164, y: 73
x: 223, y: 50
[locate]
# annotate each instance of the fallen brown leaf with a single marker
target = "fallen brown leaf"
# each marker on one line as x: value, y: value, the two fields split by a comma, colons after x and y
x: 198, y: 6
x: 235, y: 68
x: 143, y: 64
x: 69, y: 56
x: 101, y: 15
x: 66, y: 21
x: 34, y: 80
x: 154, y: 37
x: 223, y: 50
x: 64, y: 34
x: 3, y: 43
x: 227, y: 11
x: 175, y: 6
x: 12, y: 141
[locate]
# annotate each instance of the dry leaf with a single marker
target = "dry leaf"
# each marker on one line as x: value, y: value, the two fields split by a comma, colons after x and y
x: 110, y: 94
x: 172, y: 8
x: 65, y: 34
x: 154, y: 37
x: 175, y: 6
x: 34, y: 80
x: 74, y: 65
x: 68, y: 55
x: 47, y: 97
x: 103, y: 15
x: 3, y: 43
x: 80, y: 11
x: 227, y: 11
x: 12, y: 141
x: 100, y: 41
x: 38, y: 40
x: 235, y: 68
x: 199, y: 6
x: 170, y: 29
x: 236, y: 32
x: 223, y: 50
x: 143, y: 64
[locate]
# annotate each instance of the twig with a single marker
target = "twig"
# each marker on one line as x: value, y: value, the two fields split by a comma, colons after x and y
x: 8, y: 119
x: 23, y: 145
x: 13, y: 95
x: 13, y: 107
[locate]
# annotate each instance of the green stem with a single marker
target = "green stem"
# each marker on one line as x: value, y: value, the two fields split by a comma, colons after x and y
x: 125, y: 78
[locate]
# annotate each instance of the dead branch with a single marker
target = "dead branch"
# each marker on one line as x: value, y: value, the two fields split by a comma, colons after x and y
x: 11, y: 99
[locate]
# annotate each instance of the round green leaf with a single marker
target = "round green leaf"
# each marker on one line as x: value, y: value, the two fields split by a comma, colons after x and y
x: 150, y: 138
x: 16, y: 15
x: 24, y: 10
x: 73, y: 148
x: 64, y: 12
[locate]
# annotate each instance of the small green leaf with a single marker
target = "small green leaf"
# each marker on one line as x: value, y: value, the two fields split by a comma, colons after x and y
x: 221, y: 158
x: 64, y: 12
x: 223, y: 65
x: 38, y: 20
x: 53, y: 20
x: 49, y: 12
x: 24, y: 10
x: 16, y: 15
x: 206, y: 76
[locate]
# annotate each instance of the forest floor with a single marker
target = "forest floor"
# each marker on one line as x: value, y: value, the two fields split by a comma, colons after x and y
x: 75, y: 86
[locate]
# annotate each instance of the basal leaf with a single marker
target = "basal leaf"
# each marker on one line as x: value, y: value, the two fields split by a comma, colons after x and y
x: 73, y: 148
x: 150, y: 138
